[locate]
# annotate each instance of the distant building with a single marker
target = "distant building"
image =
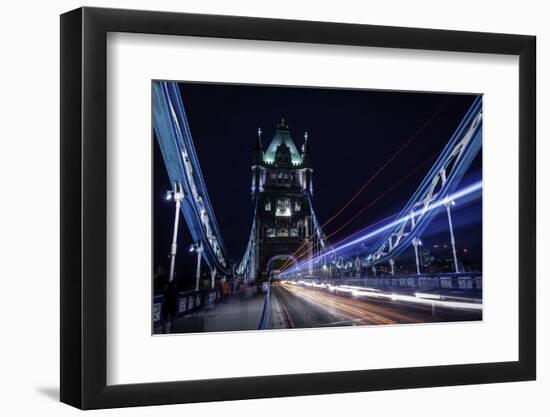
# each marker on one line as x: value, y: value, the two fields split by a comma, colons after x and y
x: 425, y: 258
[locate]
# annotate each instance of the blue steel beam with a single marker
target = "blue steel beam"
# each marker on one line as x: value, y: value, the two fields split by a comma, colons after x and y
x: 441, y: 180
x: 426, y: 202
x: 249, y: 254
x: 182, y: 165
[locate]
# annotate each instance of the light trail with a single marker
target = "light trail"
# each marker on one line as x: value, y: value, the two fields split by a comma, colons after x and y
x: 372, y: 178
x: 395, y: 155
x: 345, y: 307
x: 337, y: 305
x: 417, y: 298
x: 304, y: 253
x: 455, y: 196
x: 369, y: 227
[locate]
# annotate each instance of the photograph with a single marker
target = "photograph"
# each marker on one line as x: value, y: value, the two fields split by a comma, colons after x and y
x: 286, y: 207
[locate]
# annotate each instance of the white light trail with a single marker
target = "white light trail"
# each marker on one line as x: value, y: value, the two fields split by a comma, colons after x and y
x: 457, y: 195
x: 418, y: 298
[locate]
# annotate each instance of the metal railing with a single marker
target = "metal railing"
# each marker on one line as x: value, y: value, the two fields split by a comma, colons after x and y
x: 264, y: 321
x: 444, y: 281
x: 186, y: 303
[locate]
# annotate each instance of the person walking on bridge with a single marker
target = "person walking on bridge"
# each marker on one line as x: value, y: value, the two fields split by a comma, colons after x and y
x: 226, y: 291
x: 169, y: 306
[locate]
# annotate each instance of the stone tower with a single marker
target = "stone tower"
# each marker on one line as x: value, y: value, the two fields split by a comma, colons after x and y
x: 282, y: 189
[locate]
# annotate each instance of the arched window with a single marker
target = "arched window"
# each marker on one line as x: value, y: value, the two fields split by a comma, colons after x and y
x: 283, y: 207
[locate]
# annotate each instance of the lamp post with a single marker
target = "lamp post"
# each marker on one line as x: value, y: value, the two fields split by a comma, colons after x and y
x: 177, y: 195
x: 448, y: 204
x: 416, y: 242
x: 197, y: 247
x: 392, y: 266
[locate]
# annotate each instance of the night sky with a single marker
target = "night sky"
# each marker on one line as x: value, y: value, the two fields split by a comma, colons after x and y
x: 352, y: 134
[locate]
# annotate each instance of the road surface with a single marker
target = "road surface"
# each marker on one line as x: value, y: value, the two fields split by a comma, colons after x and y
x: 295, y: 306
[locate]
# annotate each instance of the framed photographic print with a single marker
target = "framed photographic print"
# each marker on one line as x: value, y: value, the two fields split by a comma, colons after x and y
x: 319, y: 207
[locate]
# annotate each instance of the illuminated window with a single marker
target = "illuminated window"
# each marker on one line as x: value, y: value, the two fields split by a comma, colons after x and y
x: 283, y: 207
x: 297, y: 206
x: 268, y: 205
x: 270, y: 232
x: 282, y: 232
x: 294, y: 232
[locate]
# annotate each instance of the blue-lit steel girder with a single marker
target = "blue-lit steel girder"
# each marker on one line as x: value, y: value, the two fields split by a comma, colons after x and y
x: 246, y: 265
x: 440, y: 182
x: 180, y: 158
x: 433, y: 195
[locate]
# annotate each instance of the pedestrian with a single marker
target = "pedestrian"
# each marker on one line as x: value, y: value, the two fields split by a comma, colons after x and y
x: 226, y: 291
x: 169, y: 306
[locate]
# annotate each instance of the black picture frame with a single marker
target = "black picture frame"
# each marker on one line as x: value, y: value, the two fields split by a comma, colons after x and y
x: 84, y: 207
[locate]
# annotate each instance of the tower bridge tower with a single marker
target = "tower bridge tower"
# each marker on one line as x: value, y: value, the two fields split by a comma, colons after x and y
x: 282, y: 189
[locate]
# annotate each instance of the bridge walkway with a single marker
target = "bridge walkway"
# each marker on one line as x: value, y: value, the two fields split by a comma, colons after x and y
x: 240, y: 311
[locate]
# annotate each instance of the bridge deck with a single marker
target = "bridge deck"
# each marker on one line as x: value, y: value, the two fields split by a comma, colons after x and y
x: 239, y: 312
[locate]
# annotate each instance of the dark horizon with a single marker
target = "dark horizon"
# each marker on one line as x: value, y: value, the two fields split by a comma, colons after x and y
x: 352, y: 134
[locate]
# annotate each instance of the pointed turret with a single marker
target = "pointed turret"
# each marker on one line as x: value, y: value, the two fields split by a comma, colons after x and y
x: 306, y: 151
x: 257, y: 153
x: 307, y: 171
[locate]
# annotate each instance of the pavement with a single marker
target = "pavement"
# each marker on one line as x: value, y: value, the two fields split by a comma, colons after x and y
x: 240, y: 312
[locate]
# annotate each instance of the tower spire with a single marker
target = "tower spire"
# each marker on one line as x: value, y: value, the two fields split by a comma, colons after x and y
x: 257, y: 160
x: 306, y: 150
x: 258, y: 146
